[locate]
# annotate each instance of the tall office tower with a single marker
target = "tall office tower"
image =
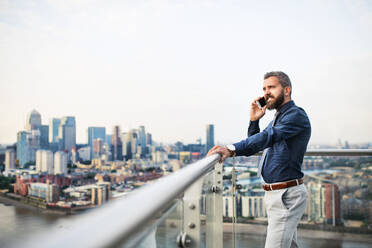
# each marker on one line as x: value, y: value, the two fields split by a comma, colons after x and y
x: 9, y: 160
x: 149, y: 139
x: 67, y: 133
x: 130, y: 142
x: 142, y: 140
x: 332, y: 204
x: 95, y: 133
x: 210, y: 137
x: 60, y: 163
x: 28, y: 142
x: 97, y: 148
x: 23, y: 147
x: 116, y: 145
x: 54, y: 124
x: 33, y: 120
x: 44, y: 136
x: 108, y: 140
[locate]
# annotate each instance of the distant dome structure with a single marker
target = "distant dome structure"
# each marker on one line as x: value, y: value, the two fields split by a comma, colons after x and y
x: 33, y: 120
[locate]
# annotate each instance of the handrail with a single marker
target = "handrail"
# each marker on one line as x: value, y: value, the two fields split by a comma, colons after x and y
x: 339, y: 152
x: 118, y: 221
x: 335, y: 152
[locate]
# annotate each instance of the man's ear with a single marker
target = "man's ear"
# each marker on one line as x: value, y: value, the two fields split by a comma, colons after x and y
x: 287, y: 91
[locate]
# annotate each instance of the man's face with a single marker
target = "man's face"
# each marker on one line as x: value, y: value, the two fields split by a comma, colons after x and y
x: 273, y: 93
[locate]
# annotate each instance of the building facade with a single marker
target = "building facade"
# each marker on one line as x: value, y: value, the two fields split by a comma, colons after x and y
x: 210, y: 137
x: 9, y: 160
x: 93, y: 134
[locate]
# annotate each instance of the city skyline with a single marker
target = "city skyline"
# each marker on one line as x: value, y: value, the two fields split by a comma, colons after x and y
x: 175, y: 67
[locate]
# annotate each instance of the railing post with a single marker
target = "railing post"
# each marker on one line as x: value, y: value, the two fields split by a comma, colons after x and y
x: 191, y: 215
x: 214, y: 205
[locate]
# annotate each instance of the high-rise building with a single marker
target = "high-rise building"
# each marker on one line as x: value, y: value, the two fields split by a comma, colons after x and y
x: 67, y: 133
x: 108, y: 140
x: 97, y: 148
x: 9, y: 160
x: 149, y: 139
x: 60, y: 163
x: 44, y: 161
x: 324, y: 203
x: 28, y: 142
x: 210, y: 137
x: 130, y: 143
x: 54, y: 124
x: 23, y: 147
x: 116, y: 145
x: 332, y: 204
x: 33, y: 120
x: 44, y: 136
x: 95, y: 133
x: 315, y: 209
x: 142, y: 140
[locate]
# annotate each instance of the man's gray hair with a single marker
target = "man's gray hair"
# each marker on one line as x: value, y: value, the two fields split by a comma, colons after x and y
x: 281, y: 76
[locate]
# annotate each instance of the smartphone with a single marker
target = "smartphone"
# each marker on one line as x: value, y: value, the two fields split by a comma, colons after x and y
x: 261, y: 102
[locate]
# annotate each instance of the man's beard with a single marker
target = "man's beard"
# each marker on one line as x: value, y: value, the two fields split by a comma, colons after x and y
x: 277, y: 102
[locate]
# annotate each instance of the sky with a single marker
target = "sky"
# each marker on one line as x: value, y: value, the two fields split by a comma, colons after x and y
x: 175, y: 66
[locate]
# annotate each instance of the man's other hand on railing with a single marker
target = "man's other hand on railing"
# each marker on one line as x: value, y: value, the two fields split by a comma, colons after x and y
x: 223, y: 151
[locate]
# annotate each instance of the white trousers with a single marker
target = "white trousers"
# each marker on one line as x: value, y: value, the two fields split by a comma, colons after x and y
x: 285, y: 208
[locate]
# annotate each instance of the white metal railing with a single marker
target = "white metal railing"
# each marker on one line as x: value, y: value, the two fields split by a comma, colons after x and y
x: 118, y: 222
x: 339, y: 152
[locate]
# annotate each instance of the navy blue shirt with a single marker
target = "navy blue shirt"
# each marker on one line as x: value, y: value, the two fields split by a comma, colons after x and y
x: 287, y: 142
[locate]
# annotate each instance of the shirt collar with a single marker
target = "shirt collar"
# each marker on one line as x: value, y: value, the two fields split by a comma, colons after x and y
x: 286, y: 106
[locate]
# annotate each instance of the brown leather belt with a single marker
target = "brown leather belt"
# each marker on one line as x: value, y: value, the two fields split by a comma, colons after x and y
x: 282, y: 185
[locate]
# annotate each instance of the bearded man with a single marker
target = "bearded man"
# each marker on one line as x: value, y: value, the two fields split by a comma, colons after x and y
x: 283, y: 142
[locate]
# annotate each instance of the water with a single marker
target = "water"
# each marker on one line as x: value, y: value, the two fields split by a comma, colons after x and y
x: 18, y: 222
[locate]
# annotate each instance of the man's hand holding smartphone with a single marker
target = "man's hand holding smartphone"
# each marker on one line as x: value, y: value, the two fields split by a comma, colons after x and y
x: 258, y: 108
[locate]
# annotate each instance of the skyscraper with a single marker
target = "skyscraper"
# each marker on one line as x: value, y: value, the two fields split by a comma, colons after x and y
x: 95, y: 133
x: 130, y: 141
x: 149, y: 139
x: 28, y: 142
x: 97, y: 148
x: 33, y: 120
x: 67, y: 133
x: 54, y: 124
x: 44, y: 136
x: 9, y: 160
x: 116, y: 144
x: 142, y: 140
x: 210, y: 137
